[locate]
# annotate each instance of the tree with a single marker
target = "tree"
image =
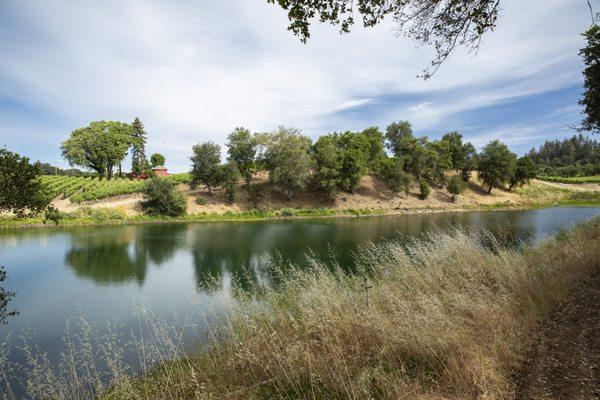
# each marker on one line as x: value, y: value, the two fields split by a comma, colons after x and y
x: 21, y: 191
x: 376, y: 146
x: 205, y: 165
x: 99, y: 146
x: 496, y: 164
x: 157, y: 160
x: 354, y: 157
x: 230, y: 176
x: 241, y: 148
x: 469, y: 163
x: 443, y: 24
x: 396, y: 134
x: 5, y: 297
x: 591, y: 80
x: 397, y: 180
x: 424, y: 188
x: 523, y: 173
x: 138, y: 147
x: 161, y: 197
x: 288, y: 160
x: 328, y: 164
x: 438, y: 161
x: 456, y: 186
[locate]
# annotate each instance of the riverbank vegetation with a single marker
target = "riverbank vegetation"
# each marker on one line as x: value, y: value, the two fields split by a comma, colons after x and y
x: 450, y: 314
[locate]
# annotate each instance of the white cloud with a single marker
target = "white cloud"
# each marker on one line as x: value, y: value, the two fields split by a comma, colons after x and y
x: 193, y: 70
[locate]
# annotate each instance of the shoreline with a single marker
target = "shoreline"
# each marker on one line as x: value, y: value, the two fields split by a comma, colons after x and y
x: 281, y: 214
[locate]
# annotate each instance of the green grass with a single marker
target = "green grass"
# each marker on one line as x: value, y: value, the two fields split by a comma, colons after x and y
x: 575, y: 180
x: 80, y: 189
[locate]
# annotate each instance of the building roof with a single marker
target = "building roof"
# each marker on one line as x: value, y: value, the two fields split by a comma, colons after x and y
x: 159, y: 167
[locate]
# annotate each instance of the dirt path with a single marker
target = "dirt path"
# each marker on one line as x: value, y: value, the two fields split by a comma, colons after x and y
x: 565, y: 362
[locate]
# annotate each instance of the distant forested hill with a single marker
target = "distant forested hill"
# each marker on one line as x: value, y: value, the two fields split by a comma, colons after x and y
x: 575, y: 156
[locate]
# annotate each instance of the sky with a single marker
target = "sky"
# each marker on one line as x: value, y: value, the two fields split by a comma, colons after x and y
x: 193, y: 70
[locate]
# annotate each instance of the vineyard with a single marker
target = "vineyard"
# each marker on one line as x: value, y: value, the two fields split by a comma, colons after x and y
x: 80, y: 189
x: 575, y: 179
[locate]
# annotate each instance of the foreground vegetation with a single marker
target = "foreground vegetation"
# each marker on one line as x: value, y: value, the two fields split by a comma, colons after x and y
x: 447, y: 315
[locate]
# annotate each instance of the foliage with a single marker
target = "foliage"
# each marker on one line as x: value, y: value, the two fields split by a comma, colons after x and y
x: 52, y: 214
x: 206, y: 159
x: 523, y: 173
x: 424, y: 189
x: 376, y: 152
x: 397, y: 180
x: 456, y: 186
x: 354, y: 151
x: 5, y: 297
x: 230, y: 176
x: 574, y: 156
x: 574, y: 180
x: 395, y: 135
x: 256, y: 193
x: 21, y: 190
x: 288, y: 160
x: 47, y: 169
x: 328, y: 165
x: 496, y: 164
x: 463, y: 155
x: 241, y: 148
x: 441, y: 24
x: 201, y: 201
x: 591, y: 80
x: 99, y: 146
x: 439, y: 160
x: 161, y: 197
x: 157, y: 160
x: 138, y: 147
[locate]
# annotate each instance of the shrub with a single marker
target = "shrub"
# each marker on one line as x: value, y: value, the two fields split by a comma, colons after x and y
x: 456, y: 186
x: 230, y: 176
x: 201, y: 201
x: 162, y: 198
x: 256, y: 193
x: 425, y: 189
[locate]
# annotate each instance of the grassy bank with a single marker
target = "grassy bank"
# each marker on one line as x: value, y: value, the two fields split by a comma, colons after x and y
x: 574, y: 179
x: 440, y: 316
x: 538, y: 197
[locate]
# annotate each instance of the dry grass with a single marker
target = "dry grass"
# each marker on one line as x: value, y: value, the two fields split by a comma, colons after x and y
x: 446, y: 316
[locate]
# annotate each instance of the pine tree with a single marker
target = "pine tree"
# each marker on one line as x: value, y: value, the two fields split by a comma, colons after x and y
x: 138, y: 153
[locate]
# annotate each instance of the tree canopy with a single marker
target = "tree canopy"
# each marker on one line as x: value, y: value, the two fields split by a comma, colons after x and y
x: 496, y: 164
x: 99, y: 146
x: 205, y: 165
x: 288, y: 160
x: 138, y: 147
x: 20, y: 189
x: 157, y: 160
x: 443, y: 24
x: 241, y: 148
x: 591, y: 80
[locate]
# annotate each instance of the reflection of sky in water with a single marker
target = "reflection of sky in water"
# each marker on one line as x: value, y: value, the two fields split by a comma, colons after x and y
x: 104, y: 270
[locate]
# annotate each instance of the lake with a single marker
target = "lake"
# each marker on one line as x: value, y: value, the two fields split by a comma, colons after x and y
x: 102, y: 271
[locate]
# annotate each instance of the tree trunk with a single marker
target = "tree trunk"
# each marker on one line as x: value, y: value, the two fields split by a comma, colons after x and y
x: 511, y: 186
x: 490, y: 189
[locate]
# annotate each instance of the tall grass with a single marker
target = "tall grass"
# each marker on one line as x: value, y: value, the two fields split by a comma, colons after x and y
x: 447, y: 315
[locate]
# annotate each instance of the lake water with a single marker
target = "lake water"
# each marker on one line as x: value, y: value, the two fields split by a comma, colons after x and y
x: 104, y: 270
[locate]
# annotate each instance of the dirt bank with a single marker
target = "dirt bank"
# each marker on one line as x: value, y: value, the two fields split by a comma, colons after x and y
x: 564, y: 363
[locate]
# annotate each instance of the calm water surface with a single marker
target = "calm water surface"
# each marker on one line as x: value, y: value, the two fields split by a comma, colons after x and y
x: 103, y: 270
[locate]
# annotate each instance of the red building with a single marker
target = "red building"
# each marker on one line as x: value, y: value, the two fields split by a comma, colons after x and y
x: 160, y: 171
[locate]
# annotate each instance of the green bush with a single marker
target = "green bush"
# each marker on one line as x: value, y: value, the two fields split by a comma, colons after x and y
x: 201, y: 201
x: 425, y: 189
x: 456, y: 186
x: 162, y: 198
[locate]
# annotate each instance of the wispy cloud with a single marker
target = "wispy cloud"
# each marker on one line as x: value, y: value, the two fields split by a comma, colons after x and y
x: 193, y: 70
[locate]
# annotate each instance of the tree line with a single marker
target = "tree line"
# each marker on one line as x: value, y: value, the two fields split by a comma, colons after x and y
x: 336, y: 161
x: 574, y: 156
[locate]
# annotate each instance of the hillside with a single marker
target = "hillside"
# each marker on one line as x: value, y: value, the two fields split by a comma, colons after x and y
x: 371, y: 194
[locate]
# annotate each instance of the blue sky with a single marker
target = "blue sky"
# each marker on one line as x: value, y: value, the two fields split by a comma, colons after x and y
x: 193, y: 70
